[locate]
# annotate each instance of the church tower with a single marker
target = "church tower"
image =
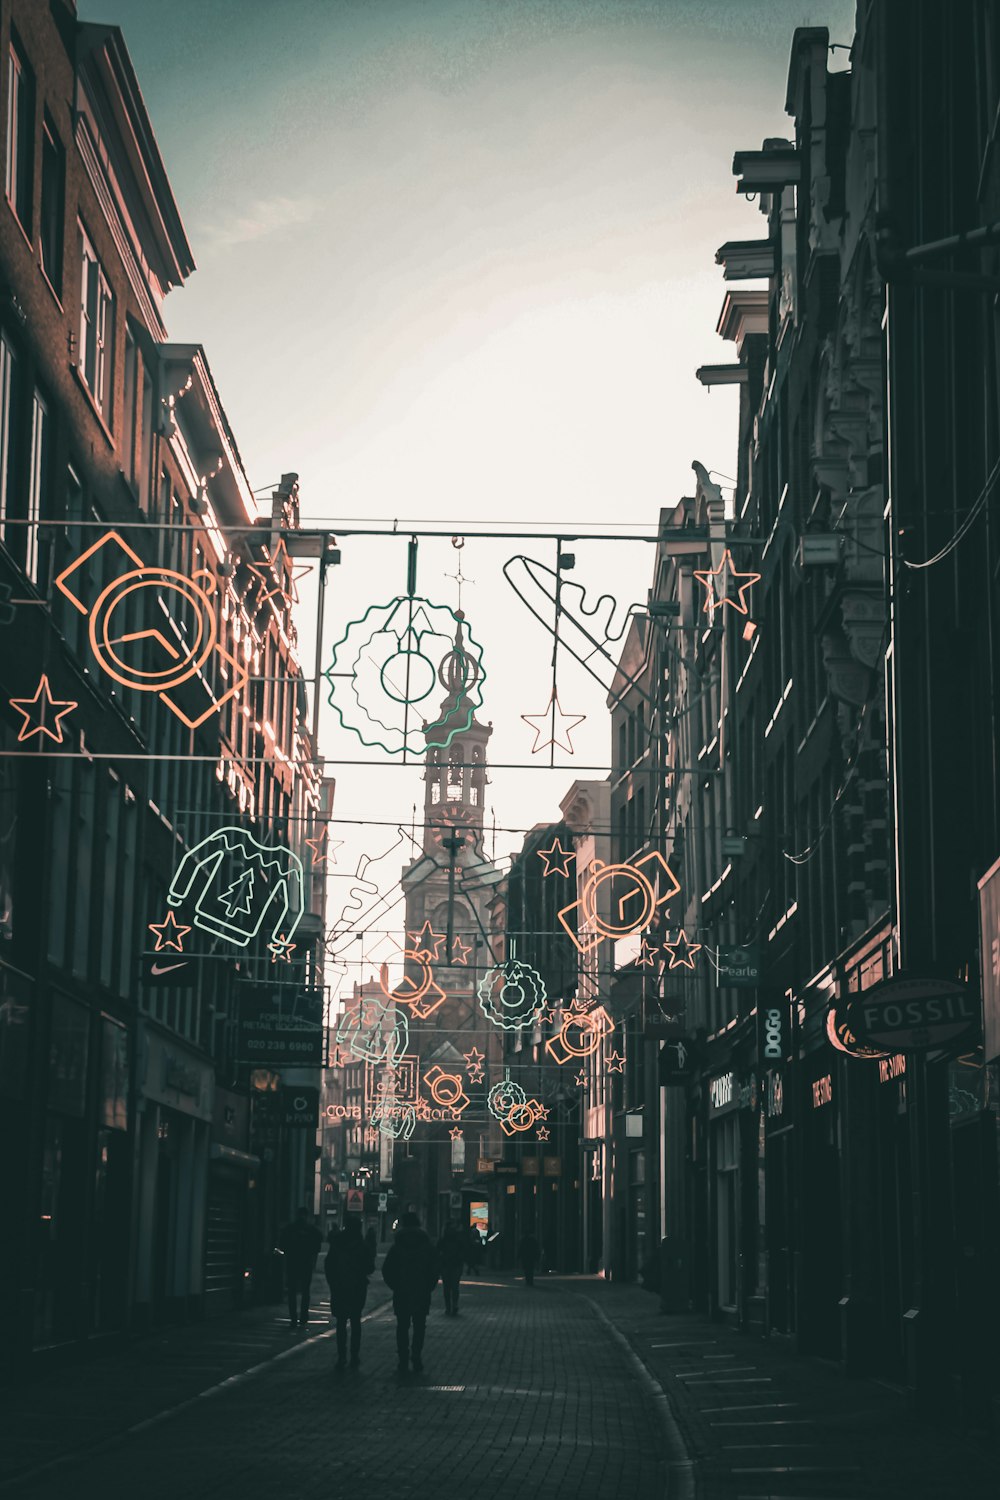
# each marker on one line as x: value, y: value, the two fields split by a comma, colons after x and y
x: 449, y: 887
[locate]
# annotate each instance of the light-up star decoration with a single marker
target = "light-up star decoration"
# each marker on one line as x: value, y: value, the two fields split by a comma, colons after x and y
x: 460, y: 952
x: 647, y: 958
x: 717, y: 594
x: 682, y: 951
x: 456, y: 1134
x: 169, y: 933
x: 281, y: 568
x: 280, y: 947
x: 553, y: 727
x: 616, y: 1063
x: 556, y: 859
x: 427, y: 941
x: 387, y: 665
x: 43, y: 714
x: 543, y: 1133
x: 323, y: 846
x: 474, y: 1060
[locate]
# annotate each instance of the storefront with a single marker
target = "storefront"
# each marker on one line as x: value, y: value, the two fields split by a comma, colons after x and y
x: 175, y: 1101
x: 820, y: 1286
x: 231, y: 1183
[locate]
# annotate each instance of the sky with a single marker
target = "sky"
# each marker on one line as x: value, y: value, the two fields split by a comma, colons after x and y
x: 455, y: 266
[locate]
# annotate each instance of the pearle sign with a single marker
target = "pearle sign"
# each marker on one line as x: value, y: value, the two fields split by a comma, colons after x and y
x: 911, y: 1013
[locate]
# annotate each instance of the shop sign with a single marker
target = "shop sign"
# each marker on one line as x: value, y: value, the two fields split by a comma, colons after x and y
x: 506, y: 1168
x: 529, y: 1166
x: 355, y: 1201
x: 552, y: 1166
x: 722, y: 1095
x: 842, y: 1038
x: 891, y: 1067
x: 171, y: 1075
x: 163, y: 970
x: 484, y: 1166
x: 774, y: 1033
x: 989, y: 926
x: 281, y: 1027
x: 299, y: 1108
x: 678, y: 1063
x: 774, y: 1096
x: 738, y: 968
x: 822, y: 1091
x: 912, y: 1013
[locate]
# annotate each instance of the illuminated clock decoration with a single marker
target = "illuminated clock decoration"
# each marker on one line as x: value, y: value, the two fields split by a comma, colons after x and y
x: 579, y: 1035
x: 618, y: 899
x: 446, y: 1090
x: 418, y: 990
x: 388, y: 664
x: 520, y: 1117
x: 512, y: 994
x: 717, y: 594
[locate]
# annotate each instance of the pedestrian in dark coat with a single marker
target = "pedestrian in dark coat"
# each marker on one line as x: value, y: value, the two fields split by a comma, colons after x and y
x: 451, y: 1248
x: 348, y: 1265
x: 474, y: 1251
x: 411, y: 1270
x: 528, y: 1252
x: 300, y: 1243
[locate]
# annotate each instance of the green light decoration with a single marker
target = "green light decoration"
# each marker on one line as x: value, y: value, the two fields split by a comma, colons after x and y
x: 389, y: 662
x: 512, y: 994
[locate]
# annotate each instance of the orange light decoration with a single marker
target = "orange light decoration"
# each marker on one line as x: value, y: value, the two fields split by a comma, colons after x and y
x: 581, y: 1079
x: 716, y: 598
x: 446, y: 1090
x: 456, y: 1134
x: 682, y: 951
x: 632, y: 909
x: 474, y: 1060
x: 280, y: 947
x: 280, y: 564
x: 323, y: 846
x: 616, y: 1063
x: 544, y: 1133
x: 460, y: 952
x: 647, y: 955
x: 553, y: 727
x: 556, y: 859
x: 427, y: 941
x: 521, y: 1117
x: 541, y: 1111
x: 423, y: 995
x: 169, y: 933
x: 579, y: 1035
x: 191, y: 612
x: 40, y: 709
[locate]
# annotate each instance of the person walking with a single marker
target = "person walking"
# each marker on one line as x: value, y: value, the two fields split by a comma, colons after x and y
x: 300, y: 1243
x: 348, y: 1265
x: 474, y: 1251
x: 451, y: 1248
x: 528, y: 1252
x: 410, y: 1270
x: 371, y: 1243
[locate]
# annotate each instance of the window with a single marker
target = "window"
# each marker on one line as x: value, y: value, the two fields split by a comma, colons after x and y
x: 128, y: 408
x: 53, y: 198
x: 8, y: 427
x: 38, y: 480
x: 97, y: 317
x: 20, y: 136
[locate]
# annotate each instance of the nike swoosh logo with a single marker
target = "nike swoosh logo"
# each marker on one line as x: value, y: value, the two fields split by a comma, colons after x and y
x: 166, y: 968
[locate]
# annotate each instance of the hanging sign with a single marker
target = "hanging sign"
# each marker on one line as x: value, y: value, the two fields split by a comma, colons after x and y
x: 774, y: 1041
x: 912, y: 1013
x: 738, y: 968
x: 279, y: 1027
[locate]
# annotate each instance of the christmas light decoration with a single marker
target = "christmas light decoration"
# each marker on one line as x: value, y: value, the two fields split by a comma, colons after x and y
x: 240, y: 885
x: 503, y: 1097
x: 579, y: 1035
x: 374, y: 1032
x: 634, y: 900
x: 553, y: 727
x: 616, y: 1063
x: 323, y: 847
x: 42, y: 713
x: 148, y: 656
x: 281, y: 566
x: 717, y: 595
x: 427, y: 941
x: 512, y: 994
x: 388, y: 663
x: 446, y: 1090
x: 556, y: 859
x: 682, y: 951
x: 169, y: 933
x: 422, y: 995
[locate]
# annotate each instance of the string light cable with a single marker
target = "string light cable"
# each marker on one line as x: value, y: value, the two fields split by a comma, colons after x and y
x: 970, y: 520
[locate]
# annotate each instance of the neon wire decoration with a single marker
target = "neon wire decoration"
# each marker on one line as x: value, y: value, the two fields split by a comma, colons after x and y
x: 386, y: 666
x: 556, y: 859
x: 552, y: 726
x: 505, y: 1096
x: 238, y: 884
x: 579, y: 1035
x: 153, y: 655
x: 43, y: 714
x: 446, y: 1090
x: 512, y: 994
x: 634, y: 899
x: 373, y: 1032
x: 682, y: 951
x: 717, y: 594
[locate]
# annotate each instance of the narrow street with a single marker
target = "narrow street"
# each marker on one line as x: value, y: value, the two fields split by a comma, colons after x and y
x: 573, y: 1389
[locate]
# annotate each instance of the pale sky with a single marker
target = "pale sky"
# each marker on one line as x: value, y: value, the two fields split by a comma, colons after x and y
x: 456, y: 263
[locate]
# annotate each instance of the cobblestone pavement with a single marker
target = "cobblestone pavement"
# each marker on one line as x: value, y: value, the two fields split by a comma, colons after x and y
x: 526, y: 1393
x: 574, y: 1389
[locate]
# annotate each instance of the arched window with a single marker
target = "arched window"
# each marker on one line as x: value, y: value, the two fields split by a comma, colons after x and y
x: 456, y: 774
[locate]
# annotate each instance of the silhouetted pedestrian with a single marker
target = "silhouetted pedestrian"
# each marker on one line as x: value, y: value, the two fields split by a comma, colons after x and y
x: 371, y: 1244
x: 348, y: 1265
x: 451, y: 1248
x: 411, y: 1270
x: 474, y: 1251
x: 528, y: 1252
x: 300, y: 1244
